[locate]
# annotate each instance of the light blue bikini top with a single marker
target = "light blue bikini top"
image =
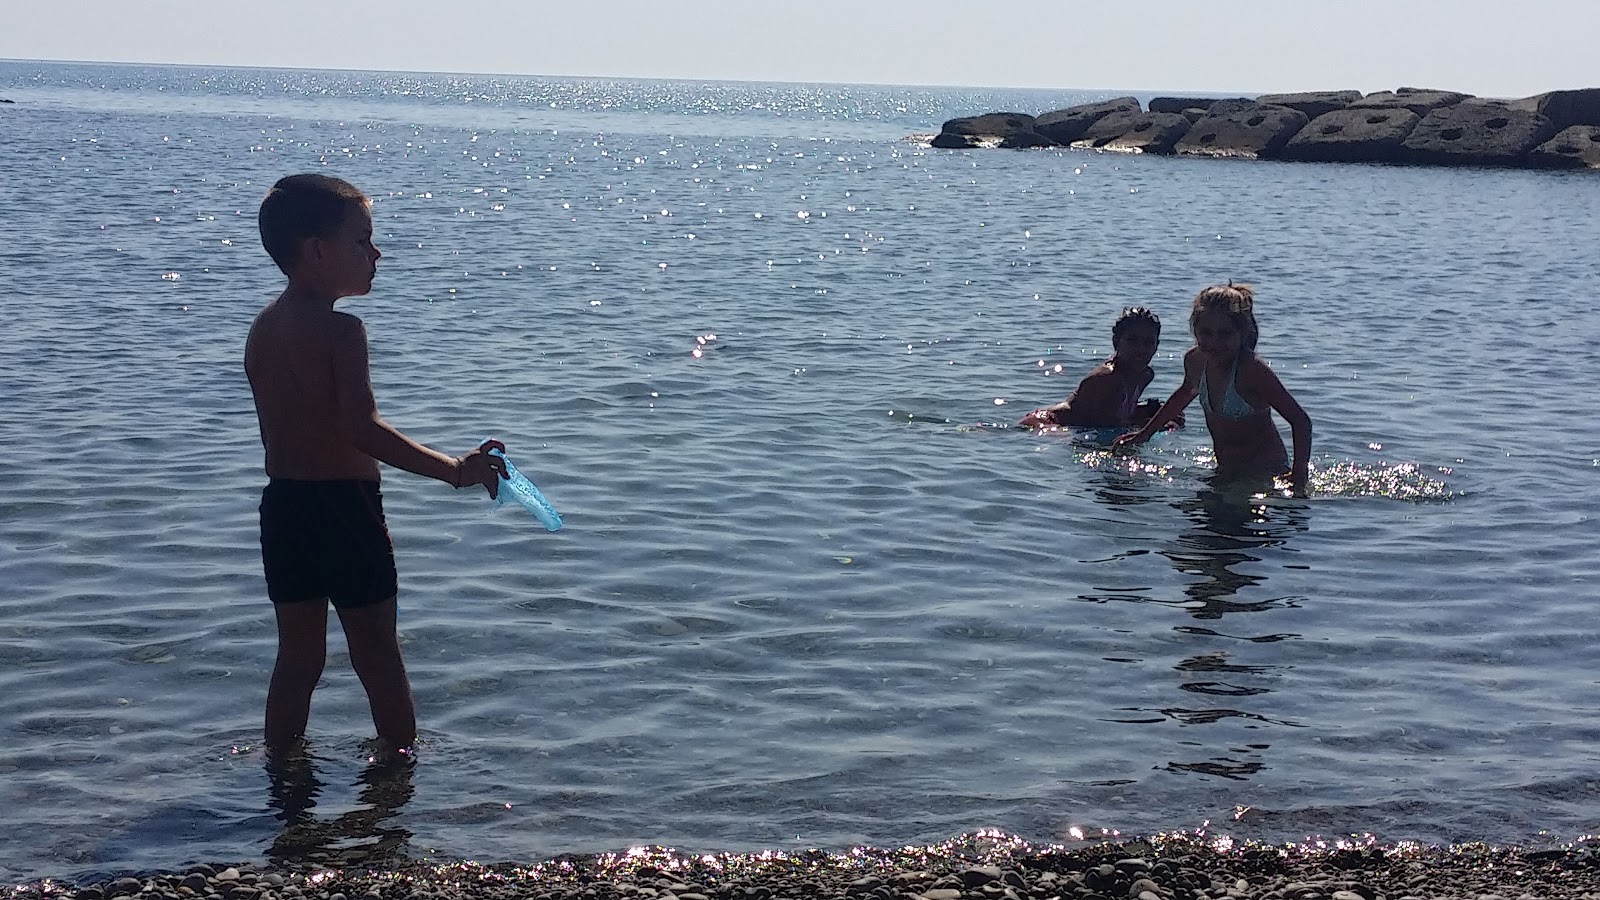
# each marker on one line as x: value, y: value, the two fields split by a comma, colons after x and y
x: 1233, y: 405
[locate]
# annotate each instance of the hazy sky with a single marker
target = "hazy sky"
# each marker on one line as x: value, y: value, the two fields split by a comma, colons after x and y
x: 1478, y: 46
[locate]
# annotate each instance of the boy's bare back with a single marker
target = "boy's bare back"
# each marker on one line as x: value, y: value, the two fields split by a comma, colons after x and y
x: 308, y: 370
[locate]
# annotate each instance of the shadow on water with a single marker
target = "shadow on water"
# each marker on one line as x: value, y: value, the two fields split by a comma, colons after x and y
x: 359, y: 837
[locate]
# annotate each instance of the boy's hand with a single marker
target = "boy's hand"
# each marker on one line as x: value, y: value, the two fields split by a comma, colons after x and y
x: 480, y: 467
x: 1039, y: 418
x: 1132, y: 438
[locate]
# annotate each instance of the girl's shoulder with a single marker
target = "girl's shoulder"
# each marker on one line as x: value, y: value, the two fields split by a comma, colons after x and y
x: 1254, y: 371
x: 1251, y: 363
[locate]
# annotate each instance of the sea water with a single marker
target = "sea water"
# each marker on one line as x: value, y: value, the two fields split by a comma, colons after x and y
x: 811, y: 592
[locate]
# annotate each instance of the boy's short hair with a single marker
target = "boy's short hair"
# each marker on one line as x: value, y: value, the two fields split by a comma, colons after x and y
x: 1134, y: 317
x: 304, y: 206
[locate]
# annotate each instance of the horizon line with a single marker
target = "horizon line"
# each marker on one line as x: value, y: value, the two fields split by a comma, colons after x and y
x: 673, y: 78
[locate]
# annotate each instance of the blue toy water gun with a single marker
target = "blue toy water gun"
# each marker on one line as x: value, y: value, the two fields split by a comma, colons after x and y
x: 515, y: 486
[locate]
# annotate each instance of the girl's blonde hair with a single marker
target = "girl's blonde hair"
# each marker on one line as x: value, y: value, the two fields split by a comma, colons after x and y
x: 1237, y: 302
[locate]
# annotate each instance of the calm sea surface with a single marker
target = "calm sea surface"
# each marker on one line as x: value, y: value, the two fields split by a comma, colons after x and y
x: 755, y: 345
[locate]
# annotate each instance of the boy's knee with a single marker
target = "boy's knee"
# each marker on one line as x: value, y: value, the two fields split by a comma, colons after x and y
x: 301, y: 666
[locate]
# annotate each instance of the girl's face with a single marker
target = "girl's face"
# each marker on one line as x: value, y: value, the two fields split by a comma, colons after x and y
x: 1216, y: 335
x: 1137, y: 345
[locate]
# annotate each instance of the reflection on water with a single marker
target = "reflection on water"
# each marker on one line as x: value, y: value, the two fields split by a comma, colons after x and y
x: 359, y: 837
x: 1231, y: 530
x: 1227, y: 529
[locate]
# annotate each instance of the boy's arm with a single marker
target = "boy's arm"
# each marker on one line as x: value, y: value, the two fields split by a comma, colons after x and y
x: 358, y: 410
x: 1094, y: 403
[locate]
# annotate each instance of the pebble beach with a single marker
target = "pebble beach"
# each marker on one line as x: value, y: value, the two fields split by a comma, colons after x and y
x: 975, y: 867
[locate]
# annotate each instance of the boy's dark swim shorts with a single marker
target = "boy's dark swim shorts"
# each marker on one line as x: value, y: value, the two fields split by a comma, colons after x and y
x: 326, y: 539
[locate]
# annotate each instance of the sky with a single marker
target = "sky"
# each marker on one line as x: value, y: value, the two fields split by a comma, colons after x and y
x: 1213, y: 46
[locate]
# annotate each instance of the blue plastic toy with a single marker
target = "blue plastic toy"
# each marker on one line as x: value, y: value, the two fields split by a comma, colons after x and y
x: 516, y: 486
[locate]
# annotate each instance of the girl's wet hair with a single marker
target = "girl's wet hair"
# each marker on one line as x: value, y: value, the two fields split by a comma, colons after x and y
x: 1134, y: 317
x: 1237, y: 302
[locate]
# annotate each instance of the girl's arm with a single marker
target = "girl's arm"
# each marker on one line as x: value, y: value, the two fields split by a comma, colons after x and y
x: 1264, y: 383
x: 1173, y: 408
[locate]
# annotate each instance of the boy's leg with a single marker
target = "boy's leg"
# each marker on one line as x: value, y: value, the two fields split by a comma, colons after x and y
x: 302, y: 651
x: 375, y: 655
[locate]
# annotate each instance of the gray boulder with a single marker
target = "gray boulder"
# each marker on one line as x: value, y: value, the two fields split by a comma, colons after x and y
x: 1022, y: 140
x: 1477, y: 134
x: 986, y: 130
x: 1565, y: 109
x: 1109, y: 127
x: 1231, y: 105
x: 1577, y: 147
x: 1419, y: 100
x: 1374, y: 134
x: 1067, y: 125
x: 1312, y: 103
x: 1251, y: 132
x: 1154, y: 133
x: 1180, y: 104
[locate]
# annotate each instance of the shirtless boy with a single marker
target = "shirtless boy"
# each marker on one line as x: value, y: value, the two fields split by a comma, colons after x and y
x: 323, y: 534
x: 1108, y: 397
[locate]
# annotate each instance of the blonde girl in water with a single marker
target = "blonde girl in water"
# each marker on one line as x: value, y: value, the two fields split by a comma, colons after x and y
x: 1238, y: 393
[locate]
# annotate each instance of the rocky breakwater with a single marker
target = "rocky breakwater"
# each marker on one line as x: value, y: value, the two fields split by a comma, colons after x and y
x: 1416, y: 126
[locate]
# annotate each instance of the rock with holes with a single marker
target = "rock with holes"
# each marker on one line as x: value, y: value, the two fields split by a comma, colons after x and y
x: 1312, y: 103
x: 1565, y: 109
x: 1419, y: 100
x: 987, y: 130
x: 1476, y: 134
x: 1067, y: 125
x: 1251, y: 132
x: 1137, y: 133
x: 1577, y: 147
x: 1371, y: 135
